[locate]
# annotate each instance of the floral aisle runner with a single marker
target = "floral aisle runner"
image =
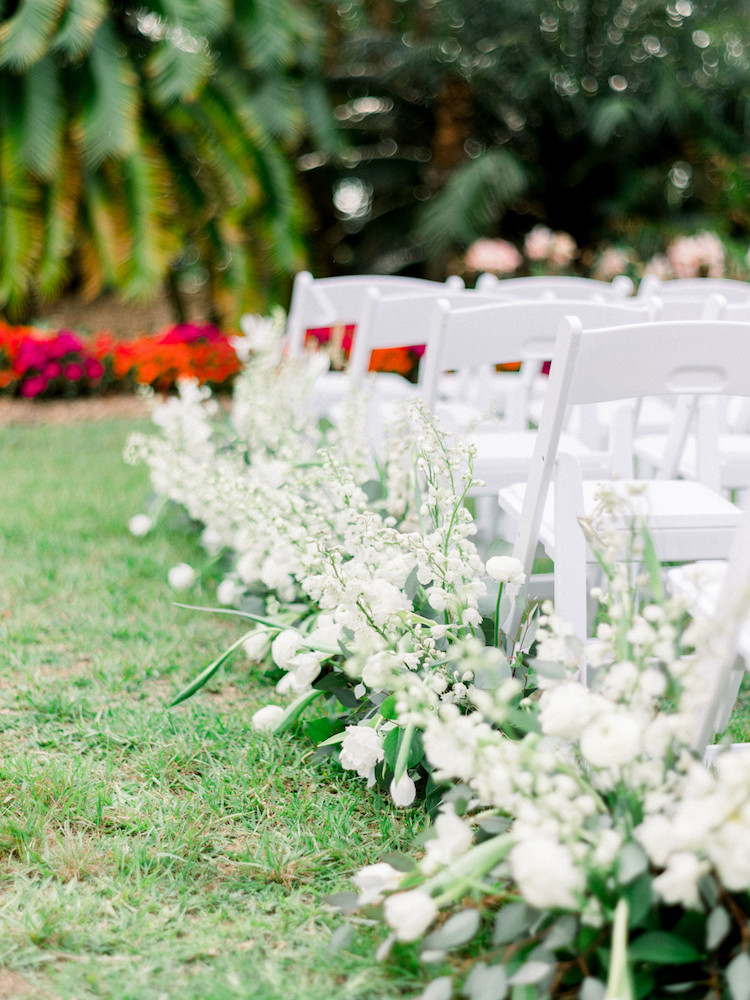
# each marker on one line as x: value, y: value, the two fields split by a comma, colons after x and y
x: 579, y: 847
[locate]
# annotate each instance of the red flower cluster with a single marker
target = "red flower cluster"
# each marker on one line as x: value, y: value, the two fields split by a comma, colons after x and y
x: 38, y: 364
x: 33, y: 364
x: 338, y: 341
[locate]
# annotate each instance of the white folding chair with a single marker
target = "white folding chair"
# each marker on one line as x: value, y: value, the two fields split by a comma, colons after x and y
x: 498, y: 333
x: 688, y: 520
x: 318, y: 302
x: 695, y: 288
x: 719, y: 593
x: 557, y: 287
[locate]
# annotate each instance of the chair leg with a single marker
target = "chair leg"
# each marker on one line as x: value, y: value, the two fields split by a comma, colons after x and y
x: 571, y: 589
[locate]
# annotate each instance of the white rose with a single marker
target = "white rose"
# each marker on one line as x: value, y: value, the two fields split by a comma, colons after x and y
x: 285, y: 646
x: 506, y: 569
x: 409, y: 914
x: 403, y: 792
x: 181, y: 576
x: 267, y: 717
x: 545, y: 873
x: 140, y: 525
x: 361, y: 750
x: 374, y: 880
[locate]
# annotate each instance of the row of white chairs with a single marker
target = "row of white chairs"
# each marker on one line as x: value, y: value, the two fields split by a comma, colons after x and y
x: 545, y: 478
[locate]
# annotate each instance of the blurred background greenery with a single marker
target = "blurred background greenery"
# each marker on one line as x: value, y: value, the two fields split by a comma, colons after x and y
x: 220, y: 145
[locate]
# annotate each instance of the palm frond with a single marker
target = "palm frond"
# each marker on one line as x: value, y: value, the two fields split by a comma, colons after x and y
x: 107, y: 125
x: 476, y: 196
x: 176, y: 73
x: 199, y: 18
x: 154, y: 237
x: 26, y: 36
x: 105, y: 242
x: 78, y: 27
x: 60, y: 209
x: 44, y: 119
x: 20, y: 224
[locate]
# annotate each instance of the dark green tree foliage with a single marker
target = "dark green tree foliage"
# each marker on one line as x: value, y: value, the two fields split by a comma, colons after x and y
x: 139, y: 140
x: 611, y: 119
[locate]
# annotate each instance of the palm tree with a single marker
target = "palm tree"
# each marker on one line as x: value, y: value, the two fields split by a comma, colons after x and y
x: 138, y: 143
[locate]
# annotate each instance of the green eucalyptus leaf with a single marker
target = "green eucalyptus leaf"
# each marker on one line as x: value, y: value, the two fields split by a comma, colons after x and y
x: 562, y: 933
x: 411, y: 586
x: 548, y: 668
x: 662, y: 948
x: 373, y: 490
x: 457, y: 930
x: 342, y: 938
x: 343, y: 902
x: 632, y: 862
x: 486, y: 982
x: 388, y: 708
x: 488, y: 676
x: 718, y: 926
x: 592, y: 989
x: 531, y: 973
x: 439, y: 989
x: 738, y: 977
x: 638, y: 896
x: 512, y: 922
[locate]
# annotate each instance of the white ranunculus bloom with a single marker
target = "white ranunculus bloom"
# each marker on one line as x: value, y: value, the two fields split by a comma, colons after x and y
x: 181, y: 577
x: 267, y: 717
x: 285, y: 646
x: 505, y: 569
x: 545, y: 873
x: 373, y: 880
x: 565, y: 709
x: 361, y: 750
x: 409, y: 914
x: 403, y: 792
x: 611, y: 739
x: 140, y: 525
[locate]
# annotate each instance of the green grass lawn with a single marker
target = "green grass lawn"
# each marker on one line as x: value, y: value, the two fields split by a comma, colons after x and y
x: 147, y: 853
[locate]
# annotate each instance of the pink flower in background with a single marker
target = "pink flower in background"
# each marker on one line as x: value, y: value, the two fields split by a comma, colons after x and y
x: 613, y: 261
x: 659, y: 265
x: 564, y: 249
x: 33, y: 386
x: 538, y: 243
x: 498, y: 256
x: 696, y: 256
x: 94, y: 369
x: 73, y: 371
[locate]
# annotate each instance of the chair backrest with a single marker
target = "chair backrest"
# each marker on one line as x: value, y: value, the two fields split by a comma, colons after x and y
x: 319, y: 302
x: 508, y: 331
x: 701, y: 357
x: 403, y: 320
x: 557, y: 287
x: 732, y: 290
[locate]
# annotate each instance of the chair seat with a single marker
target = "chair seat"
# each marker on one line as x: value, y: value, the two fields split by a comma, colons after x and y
x: 734, y: 457
x: 687, y: 519
x: 503, y: 457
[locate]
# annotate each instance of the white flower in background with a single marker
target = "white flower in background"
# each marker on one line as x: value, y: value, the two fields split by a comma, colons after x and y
x: 566, y: 708
x: 227, y: 593
x: 266, y: 718
x: 302, y: 671
x: 545, y: 873
x: 453, y: 838
x: 181, y: 577
x: 409, y: 914
x: 506, y: 569
x: 612, y: 739
x: 678, y: 883
x: 403, y: 792
x: 361, y: 750
x: 140, y: 525
x: 285, y: 646
x: 375, y: 880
